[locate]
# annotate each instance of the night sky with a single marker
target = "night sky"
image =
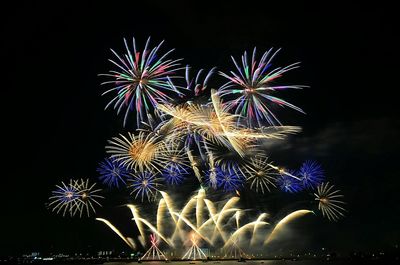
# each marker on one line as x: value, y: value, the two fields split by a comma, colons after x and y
x: 55, y: 125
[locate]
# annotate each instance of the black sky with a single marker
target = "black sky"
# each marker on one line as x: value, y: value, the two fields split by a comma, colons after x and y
x: 55, y: 126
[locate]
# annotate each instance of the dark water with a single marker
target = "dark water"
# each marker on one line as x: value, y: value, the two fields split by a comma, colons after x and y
x: 234, y: 262
x: 265, y: 262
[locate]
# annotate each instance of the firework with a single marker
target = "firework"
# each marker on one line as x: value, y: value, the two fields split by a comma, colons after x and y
x: 185, y: 128
x: 249, y: 90
x: 153, y: 251
x: 141, y: 80
x: 311, y: 174
x: 287, y: 183
x: 260, y: 174
x: 283, y: 222
x: 194, y: 252
x: 197, y: 85
x: 228, y: 180
x: 75, y: 197
x: 112, y: 173
x: 140, y: 152
x: 65, y: 198
x: 177, y: 165
x: 88, y: 197
x: 174, y: 175
x: 144, y: 185
x: 127, y: 240
x: 200, y: 227
x: 329, y: 201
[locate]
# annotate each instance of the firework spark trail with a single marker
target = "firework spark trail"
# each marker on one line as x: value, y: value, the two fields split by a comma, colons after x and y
x: 154, y: 230
x: 113, y: 228
x: 243, y: 229
x: 213, y: 213
x: 215, y: 218
x: 188, y: 206
x: 283, y: 172
x: 169, y: 204
x: 199, y: 207
x: 160, y: 212
x: 282, y: 223
x: 235, y: 251
x: 211, y: 221
x: 232, y: 201
x: 289, y: 184
x: 211, y: 210
x: 237, y: 145
x: 194, y: 165
x: 193, y: 227
x: 237, y: 218
x: 193, y: 250
x: 136, y: 216
x: 212, y: 176
x: 153, y: 251
x: 259, y: 219
x: 271, y: 132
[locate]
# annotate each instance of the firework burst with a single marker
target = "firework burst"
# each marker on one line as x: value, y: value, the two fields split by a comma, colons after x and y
x: 112, y: 173
x: 141, y: 80
x: 174, y: 175
x: 144, y: 185
x: 88, y: 197
x: 75, y: 197
x: 287, y: 183
x: 311, y: 174
x: 229, y: 180
x: 248, y: 91
x: 140, y: 152
x: 177, y: 165
x: 329, y: 201
x: 65, y: 198
x: 260, y: 174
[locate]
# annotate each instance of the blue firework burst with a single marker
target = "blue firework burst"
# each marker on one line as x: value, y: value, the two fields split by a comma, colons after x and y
x: 226, y: 179
x: 65, y: 198
x: 230, y: 180
x: 112, y: 172
x: 144, y: 185
x: 311, y: 174
x: 287, y: 183
x: 174, y: 174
